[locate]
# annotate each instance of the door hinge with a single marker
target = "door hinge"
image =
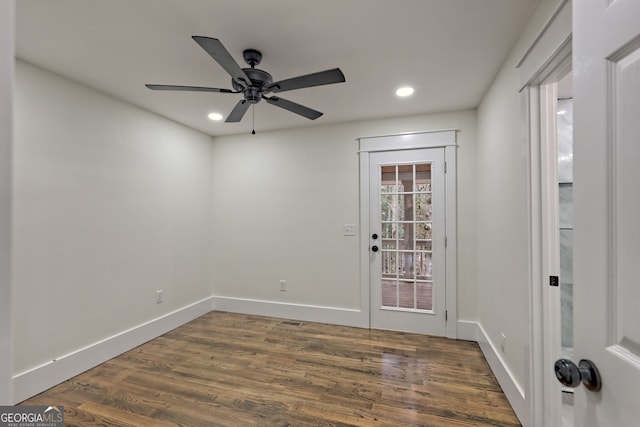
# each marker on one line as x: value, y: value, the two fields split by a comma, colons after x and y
x: 445, y: 242
x: 445, y: 167
x: 446, y: 315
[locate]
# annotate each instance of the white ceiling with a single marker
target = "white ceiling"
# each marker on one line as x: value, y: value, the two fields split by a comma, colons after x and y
x: 449, y: 50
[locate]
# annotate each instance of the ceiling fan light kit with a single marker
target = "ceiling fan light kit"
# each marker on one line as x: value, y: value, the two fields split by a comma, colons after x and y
x: 254, y: 83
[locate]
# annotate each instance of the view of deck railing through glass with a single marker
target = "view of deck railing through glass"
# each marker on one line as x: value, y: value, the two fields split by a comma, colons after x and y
x: 406, y: 224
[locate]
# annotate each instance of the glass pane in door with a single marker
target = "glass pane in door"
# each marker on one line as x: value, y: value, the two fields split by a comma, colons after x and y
x: 565, y: 207
x: 406, y: 224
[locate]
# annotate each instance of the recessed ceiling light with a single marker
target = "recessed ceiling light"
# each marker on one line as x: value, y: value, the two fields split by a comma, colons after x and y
x: 404, y: 91
x: 215, y: 116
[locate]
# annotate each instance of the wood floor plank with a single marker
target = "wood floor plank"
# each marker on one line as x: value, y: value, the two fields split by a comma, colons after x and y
x: 227, y: 369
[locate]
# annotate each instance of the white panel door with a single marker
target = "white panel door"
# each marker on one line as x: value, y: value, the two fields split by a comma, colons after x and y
x: 606, y: 65
x: 407, y: 240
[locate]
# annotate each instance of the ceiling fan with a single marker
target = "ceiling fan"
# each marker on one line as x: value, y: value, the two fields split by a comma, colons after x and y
x: 254, y: 83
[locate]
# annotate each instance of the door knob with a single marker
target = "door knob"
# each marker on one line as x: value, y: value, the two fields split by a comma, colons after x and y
x: 571, y: 375
x: 374, y: 248
x: 374, y: 236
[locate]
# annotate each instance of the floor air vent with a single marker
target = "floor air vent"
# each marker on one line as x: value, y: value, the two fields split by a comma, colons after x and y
x: 290, y: 323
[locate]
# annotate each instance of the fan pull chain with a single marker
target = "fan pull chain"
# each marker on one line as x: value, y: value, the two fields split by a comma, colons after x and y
x: 253, y: 113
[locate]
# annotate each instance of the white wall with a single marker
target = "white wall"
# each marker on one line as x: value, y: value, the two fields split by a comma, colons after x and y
x: 503, y: 256
x: 6, y: 121
x: 503, y: 242
x: 111, y: 203
x: 281, y: 199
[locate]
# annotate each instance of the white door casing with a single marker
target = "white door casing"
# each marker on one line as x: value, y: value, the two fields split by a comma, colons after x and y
x: 606, y: 64
x: 550, y: 248
x: 409, y: 149
x: 544, y: 63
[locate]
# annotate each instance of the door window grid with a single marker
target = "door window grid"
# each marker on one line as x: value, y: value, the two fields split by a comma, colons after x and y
x: 406, y: 223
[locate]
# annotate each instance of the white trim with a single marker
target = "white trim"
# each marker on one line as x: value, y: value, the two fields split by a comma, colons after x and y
x: 550, y: 249
x: 365, y: 254
x: 547, y: 59
x: 408, y: 141
x: 308, y: 313
x: 7, y: 55
x: 43, y: 377
x: 536, y: 336
x: 552, y: 39
x: 542, y: 32
x: 451, y: 232
x: 544, y: 305
x: 446, y: 139
x: 408, y: 133
x: 468, y: 330
x: 513, y: 391
x: 555, y: 68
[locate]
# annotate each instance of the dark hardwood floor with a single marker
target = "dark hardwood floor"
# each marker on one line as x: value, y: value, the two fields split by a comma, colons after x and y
x: 227, y: 369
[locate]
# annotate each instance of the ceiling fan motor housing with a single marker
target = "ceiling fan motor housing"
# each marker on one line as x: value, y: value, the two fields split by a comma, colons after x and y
x: 259, y: 79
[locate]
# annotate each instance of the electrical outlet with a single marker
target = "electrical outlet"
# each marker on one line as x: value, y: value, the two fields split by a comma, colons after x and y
x: 283, y: 286
x: 349, y: 229
x: 503, y: 342
x: 159, y: 296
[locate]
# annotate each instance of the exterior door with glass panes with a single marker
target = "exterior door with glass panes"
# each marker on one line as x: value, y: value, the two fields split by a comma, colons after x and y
x: 407, y: 220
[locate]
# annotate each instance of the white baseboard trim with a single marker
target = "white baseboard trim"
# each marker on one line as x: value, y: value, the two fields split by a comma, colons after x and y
x: 468, y: 330
x: 307, y: 313
x: 29, y: 383
x: 473, y: 331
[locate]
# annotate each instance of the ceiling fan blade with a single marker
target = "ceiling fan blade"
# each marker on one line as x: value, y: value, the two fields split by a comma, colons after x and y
x: 238, y: 111
x: 309, y: 80
x: 294, y: 107
x: 190, y: 88
x: 222, y: 56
